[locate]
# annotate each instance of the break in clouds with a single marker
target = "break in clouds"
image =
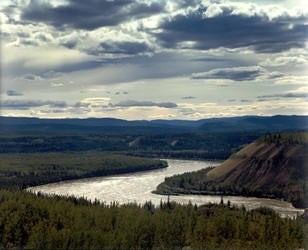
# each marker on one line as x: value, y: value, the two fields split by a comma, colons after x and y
x: 167, y: 56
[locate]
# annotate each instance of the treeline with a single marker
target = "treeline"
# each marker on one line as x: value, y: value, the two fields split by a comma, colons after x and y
x: 198, y: 183
x: 38, y: 222
x: 23, y: 170
x: 285, y: 138
x: 199, y: 145
x: 188, y: 183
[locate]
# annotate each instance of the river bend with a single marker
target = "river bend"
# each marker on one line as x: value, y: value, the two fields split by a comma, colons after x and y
x: 138, y: 187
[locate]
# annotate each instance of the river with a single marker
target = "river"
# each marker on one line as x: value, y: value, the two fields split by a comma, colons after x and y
x: 138, y: 187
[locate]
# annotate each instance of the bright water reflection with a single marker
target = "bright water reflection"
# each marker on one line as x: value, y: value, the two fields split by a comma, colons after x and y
x: 138, y: 187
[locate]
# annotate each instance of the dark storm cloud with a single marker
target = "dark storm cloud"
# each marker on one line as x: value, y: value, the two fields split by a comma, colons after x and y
x: 235, y: 74
x: 132, y: 103
x: 90, y: 14
x: 27, y: 104
x: 13, y: 93
x: 234, y: 31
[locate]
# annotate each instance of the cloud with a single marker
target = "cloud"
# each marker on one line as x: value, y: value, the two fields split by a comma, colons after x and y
x: 31, y: 77
x: 89, y: 15
x: 132, y: 103
x: 233, y: 25
x: 27, y: 104
x: 13, y: 93
x: 51, y: 74
x: 245, y: 101
x: 188, y: 97
x: 235, y: 74
x: 130, y: 48
x: 294, y: 60
x: 45, y: 58
x: 285, y: 95
x: 93, y: 102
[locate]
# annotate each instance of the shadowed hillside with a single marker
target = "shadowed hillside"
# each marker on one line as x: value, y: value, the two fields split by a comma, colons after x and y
x: 273, y: 166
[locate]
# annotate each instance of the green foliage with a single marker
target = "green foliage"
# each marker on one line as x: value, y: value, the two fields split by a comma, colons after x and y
x: 199, y: 145
x: 290, y: 138
x: 39, y: 222
x: 187, y: 183
x: 22, y: 170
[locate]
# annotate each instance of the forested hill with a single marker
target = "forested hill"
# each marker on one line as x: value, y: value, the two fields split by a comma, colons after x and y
x: 273, y: 166
x: 110, y: 125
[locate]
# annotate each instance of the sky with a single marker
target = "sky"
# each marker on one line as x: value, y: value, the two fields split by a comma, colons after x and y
x: 153, y: 59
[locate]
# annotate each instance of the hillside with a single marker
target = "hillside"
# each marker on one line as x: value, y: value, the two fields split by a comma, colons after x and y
x: 273, y: 166
x: 256, y: 123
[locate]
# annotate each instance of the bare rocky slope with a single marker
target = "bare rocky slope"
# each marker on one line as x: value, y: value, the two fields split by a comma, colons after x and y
x: 264, y: 167
x: 273, y: 166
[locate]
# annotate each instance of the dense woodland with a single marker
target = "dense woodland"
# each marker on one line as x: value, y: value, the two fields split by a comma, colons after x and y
x: 177, y: 145
x: 30, y: 169
x: 39, y: 222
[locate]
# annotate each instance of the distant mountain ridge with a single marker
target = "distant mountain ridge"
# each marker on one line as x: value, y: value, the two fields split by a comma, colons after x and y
x: 100, y: 125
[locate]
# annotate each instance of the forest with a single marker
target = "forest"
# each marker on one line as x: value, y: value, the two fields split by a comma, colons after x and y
x: 30, y: 169
x: 28, y: 221
x: 37, y: 221
x: 192, y: 145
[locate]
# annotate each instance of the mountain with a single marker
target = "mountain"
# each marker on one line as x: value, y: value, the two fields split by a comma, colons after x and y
x: 253, y: 123
x: 21, y: 125
x: 111, y: 125
x: 273, y: 166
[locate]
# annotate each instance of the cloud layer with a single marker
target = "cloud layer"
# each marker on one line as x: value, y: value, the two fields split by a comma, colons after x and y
x: 132, y: 103
x: 89, y: 15
x: 153, y: 59
x: 27, y: 104
x: 235, y: 74
x: 234, y: 26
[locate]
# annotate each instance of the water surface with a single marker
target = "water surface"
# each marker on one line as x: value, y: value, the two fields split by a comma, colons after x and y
x: 138, y: 187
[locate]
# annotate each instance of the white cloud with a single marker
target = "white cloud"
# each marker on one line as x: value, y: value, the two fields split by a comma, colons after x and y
x: 292, y: 80
x: 43, y: 58
x: 96, y: 101
x: 267, y: 9
x: 212, y: 11
x: 292, y: 58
